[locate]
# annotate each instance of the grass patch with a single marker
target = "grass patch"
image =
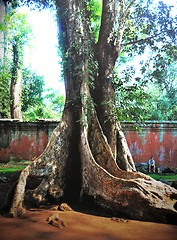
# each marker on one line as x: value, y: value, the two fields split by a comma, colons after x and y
x: 164, y: 176
x: 19, y: 166
x: 13, y: 166
x: 11, y: 169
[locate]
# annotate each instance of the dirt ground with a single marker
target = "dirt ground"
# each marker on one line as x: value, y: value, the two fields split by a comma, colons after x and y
x: 82, y: 226
x: 79, y: 224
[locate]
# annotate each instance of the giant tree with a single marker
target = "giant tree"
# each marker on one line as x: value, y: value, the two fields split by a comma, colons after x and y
x: 87, y: 156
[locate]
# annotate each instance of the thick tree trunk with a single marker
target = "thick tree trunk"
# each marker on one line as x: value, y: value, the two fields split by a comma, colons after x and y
x: 79, y: 161
x: 104, y: 92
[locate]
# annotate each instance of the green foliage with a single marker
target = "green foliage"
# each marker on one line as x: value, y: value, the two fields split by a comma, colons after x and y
x: 17, y: 26
x: 94, y: 8
x: 36, y: 112
x: 33, y: 104
x: 32, y: 96
x: 151, y: 96
x: 32, y: 89
x: 161, y: 106
x: 36, y: 104
x: 160, y: 76
x: 16, y: 29
x: 149, y: 24
x: 33, y: 4
x: 40, y: 112
x: 143, y: 91
x: 146, y: 90
x: 55, y: 102
x: 131, y: 101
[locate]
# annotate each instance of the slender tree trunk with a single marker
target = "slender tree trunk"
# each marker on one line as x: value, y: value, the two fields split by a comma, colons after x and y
x: 79, y: 161
x: 15, y: 88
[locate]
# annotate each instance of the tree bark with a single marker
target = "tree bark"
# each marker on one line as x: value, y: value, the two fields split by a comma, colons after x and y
x: 79, y: 161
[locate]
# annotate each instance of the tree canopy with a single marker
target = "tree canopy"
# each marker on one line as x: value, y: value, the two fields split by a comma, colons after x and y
x: 150, y: 33
x: 148, y: 51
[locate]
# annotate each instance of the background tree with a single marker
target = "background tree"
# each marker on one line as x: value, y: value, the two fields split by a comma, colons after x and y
x: 32, y: 95
x: 32, y: 99
x: 80, y: 159
x: 17, y: 31
x: 38, y: 102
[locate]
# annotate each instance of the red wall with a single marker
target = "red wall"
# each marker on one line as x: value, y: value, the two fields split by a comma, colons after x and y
x: 26, y: 140
x: 24, y: 148
x: 23, y: 140
x: 158, y: 140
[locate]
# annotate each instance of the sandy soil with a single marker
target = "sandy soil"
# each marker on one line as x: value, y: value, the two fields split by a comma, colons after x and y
x: 82, y: 226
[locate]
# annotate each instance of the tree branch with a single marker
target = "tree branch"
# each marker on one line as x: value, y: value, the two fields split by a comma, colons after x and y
x: 142, y: 40
x: 128, y: 8
x: 124, y: 12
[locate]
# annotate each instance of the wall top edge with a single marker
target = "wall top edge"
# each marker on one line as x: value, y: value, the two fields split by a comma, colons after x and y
x: 125, y: 124
x: 57, y: 121
x: 151, y: 124
x: 18, y: 120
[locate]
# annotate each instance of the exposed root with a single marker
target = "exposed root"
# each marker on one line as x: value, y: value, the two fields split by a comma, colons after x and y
x: 151, y: 201
x: 56, y: 221
x: 17, y: 204
x: 131, y: 193
x: 46, y: 166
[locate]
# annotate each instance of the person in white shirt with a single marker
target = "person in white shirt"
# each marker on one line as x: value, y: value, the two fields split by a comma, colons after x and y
x: 151, y: 165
